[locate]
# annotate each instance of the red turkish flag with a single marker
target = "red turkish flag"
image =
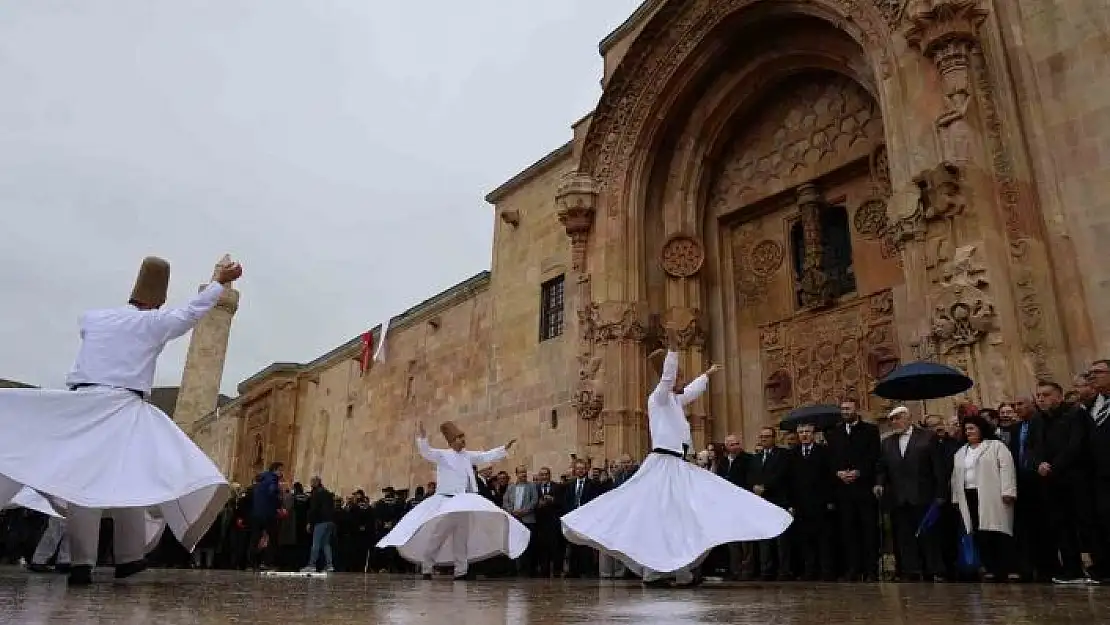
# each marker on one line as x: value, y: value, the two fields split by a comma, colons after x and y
x: 367, y: 352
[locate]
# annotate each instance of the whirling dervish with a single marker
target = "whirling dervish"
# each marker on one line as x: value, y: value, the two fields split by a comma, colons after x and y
x: 456, y: 525
x: 100, y: 448
x: 663, y: 522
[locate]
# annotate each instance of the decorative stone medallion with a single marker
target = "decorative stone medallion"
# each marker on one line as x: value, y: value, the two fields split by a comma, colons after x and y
x: 766, y: 257
x: 682, y: 256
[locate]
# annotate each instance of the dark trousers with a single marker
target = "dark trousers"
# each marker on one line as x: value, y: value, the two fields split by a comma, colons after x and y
x: 996, y: 550
x: 525, y: 564
x: 1066, y: 520
x: 813, y: 538
x: 268, y: 556
x: 1035, y: 556
x: 916, y: 555
x: 547, y: 550
x: 859, y: 533
x: 1101, y: 550
x: 582, y: 561
x: 774, y: 556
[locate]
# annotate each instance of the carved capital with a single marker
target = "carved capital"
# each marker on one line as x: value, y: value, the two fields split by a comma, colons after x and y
x: 936, y: 24
x: 576, y: 198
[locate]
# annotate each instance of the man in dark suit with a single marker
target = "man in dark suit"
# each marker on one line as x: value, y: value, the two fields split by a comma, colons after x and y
x: 579, y: 491
x: 809, y: 494
x: 854, y: 445
x: 548, y: 540
x: 1060, y: 439
x: 767, y: 477
x: 1098, y: 376
x: 1034, y: 554
x: 910, y: 478
x: 734, y: 468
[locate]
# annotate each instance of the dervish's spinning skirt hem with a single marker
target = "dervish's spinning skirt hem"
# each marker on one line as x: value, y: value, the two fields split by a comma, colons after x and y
x: 106, y: 448
x: 670, y: 514
x: 491, y: 530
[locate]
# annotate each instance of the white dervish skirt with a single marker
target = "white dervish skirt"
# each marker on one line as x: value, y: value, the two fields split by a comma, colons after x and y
x: 491, y: 530
x: 106, y: 448
x: 670, y: 514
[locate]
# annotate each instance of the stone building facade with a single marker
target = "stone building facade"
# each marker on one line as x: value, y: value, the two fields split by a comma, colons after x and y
x: 807, y: 191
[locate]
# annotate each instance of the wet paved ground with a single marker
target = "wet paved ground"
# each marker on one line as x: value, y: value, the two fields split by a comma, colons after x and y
x: 203, y: 598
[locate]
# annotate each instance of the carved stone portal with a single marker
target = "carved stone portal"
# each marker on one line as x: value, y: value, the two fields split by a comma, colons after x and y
x: 831, y: 355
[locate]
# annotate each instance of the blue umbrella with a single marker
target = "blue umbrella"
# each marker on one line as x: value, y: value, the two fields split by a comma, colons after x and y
x: 932, y: 515
x: 922, y: 380
x: 822, y: 416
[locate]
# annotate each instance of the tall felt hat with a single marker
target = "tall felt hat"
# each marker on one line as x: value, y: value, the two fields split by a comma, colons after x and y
x: 450, y: 431
x: 153, y: 282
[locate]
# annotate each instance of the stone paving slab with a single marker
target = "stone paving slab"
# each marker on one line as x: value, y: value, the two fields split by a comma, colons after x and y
x: 175, y: 597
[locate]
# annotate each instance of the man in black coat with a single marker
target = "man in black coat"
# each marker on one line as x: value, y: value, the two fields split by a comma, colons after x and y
x: 767, y: 477
x: 733, y: 466
x: 1098, y: 376
x: 910, y: 479
x: 579, y: 491
x: 1060, y: 439
x: 548, y: 539
x: 854, y: 445
x: 810, y: 484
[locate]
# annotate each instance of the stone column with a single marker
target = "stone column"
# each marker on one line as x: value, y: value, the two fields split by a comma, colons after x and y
x: 204, y: 365
x: 814, y: 282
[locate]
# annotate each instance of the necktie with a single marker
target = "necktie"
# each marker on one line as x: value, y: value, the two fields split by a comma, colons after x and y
x: 805, y: 451
x: 765, y: 454
x: 1023, y: 436
x: 1103, y: 409
x: 578, y: 494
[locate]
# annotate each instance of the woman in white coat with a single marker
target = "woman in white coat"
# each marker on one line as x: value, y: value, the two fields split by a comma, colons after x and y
x: 984, y: 488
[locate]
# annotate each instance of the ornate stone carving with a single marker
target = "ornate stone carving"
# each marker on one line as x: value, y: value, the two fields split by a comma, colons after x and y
x: 946, y: 31
x: 815, y: 288
x: 814, y: 127
x: 941, y: 191
x: 1016, y: 208
x: 766, y: 257
x: 963, y: 313
x: 891, y: 10
x: 663, y: 46
x: 588, y: 398
x: 755, y: 261
x: 684, y: 328
x: 607, y: 322
x: 576, y: 198
x: 682, y: 256
x: 824, y: 357
x: 870, y: 219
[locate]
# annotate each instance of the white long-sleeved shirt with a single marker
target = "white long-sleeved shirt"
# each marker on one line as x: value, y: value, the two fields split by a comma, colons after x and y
x: 455, y: 469
x: 120, y: 346
x: 666, y: 417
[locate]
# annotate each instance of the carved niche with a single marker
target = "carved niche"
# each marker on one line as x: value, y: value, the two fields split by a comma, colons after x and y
x: 824, y: 357
x: 815, y: 123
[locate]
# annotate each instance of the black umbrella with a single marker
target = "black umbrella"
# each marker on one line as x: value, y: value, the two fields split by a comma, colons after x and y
x: 922, y: 380
x: 822, y: 416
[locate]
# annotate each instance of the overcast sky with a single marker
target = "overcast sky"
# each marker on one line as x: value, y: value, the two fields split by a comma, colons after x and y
x: 340, y: 148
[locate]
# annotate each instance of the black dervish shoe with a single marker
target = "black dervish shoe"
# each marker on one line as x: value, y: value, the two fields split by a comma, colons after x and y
x: 127, y: 569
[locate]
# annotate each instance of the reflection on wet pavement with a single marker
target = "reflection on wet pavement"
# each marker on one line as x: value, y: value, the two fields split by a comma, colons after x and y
x: 201, y: 598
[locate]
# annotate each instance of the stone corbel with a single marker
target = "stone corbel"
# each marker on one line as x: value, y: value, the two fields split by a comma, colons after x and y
x: 942, y: 193
x: 576, y: 199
